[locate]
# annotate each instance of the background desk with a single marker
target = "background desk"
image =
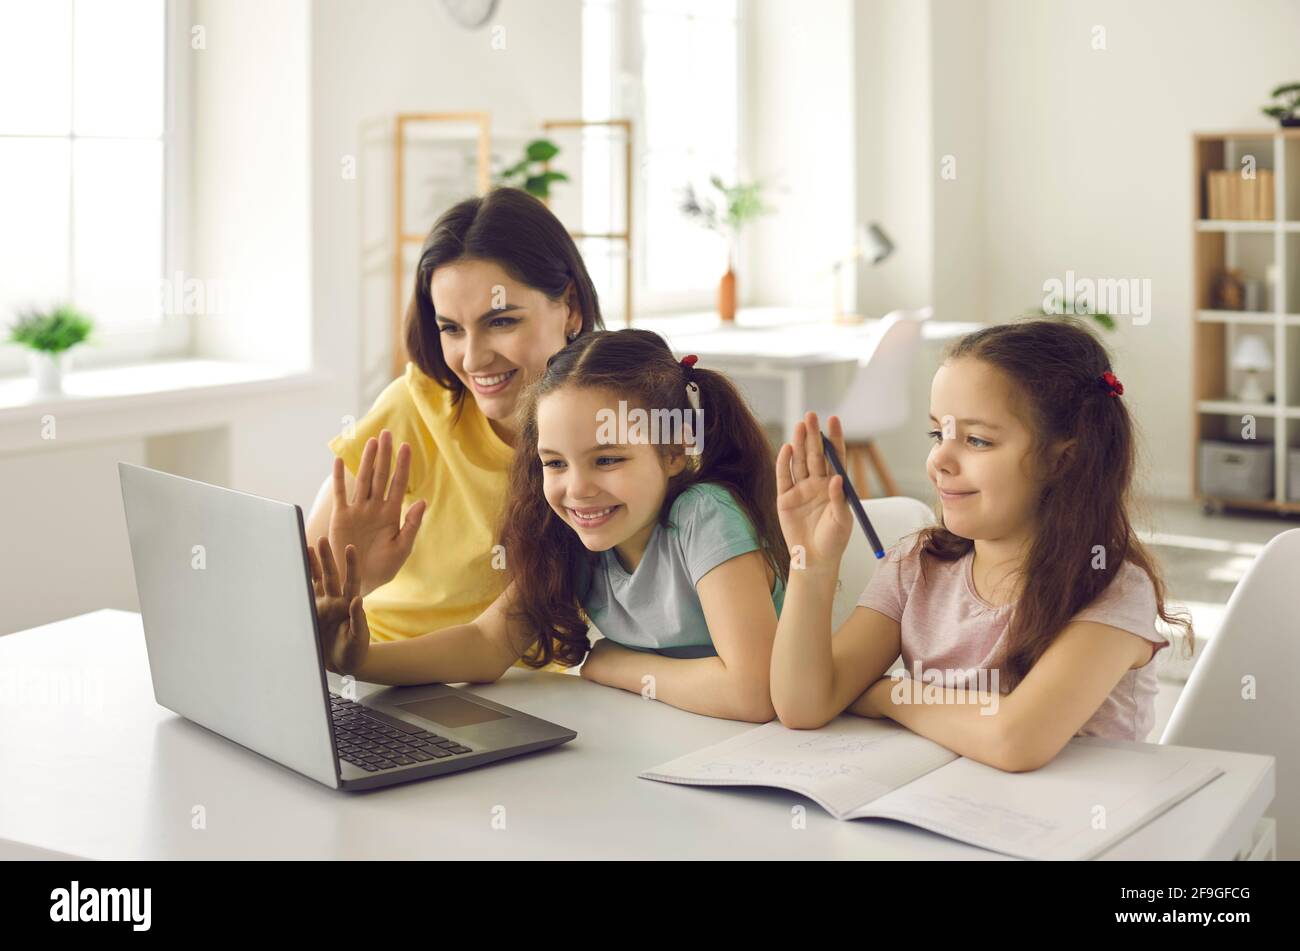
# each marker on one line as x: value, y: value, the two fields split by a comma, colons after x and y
x: 813, y: 361
x: 96, y: 769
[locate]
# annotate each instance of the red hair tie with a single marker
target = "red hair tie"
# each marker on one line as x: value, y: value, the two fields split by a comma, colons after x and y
x: 1112, y: 383
x: 692, y: 388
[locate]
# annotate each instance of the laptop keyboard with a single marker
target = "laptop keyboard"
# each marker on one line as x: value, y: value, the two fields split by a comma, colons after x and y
x: 375, y: 741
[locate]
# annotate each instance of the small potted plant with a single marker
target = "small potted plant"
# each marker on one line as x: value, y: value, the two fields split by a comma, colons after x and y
x: 530, y: 173
x: 49, y: 337
x: 1057, y: 307
x: 1286, y: 105
x: 739, y: 204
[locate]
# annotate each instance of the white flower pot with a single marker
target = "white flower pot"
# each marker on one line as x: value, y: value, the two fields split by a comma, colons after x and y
x: 48, y: 370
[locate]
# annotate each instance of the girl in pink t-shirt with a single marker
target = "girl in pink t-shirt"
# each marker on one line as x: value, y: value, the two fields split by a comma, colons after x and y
x: 1025, y: 617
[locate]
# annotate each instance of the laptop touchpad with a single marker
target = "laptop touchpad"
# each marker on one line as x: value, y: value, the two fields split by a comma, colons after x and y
x: 452, y: 711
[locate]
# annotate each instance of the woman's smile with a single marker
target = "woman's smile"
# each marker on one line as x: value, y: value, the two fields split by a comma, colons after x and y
x: 488, y: 384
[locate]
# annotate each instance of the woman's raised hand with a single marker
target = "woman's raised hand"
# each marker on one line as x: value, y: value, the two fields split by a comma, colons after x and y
x: 372, y: 520
x: 810, y: 502
x: 340, y: 617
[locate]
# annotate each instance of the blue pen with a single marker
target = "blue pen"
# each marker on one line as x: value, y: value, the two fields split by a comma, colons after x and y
x: 851, y: 494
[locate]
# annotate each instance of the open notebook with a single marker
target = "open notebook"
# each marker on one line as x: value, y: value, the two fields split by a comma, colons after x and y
x: 1094, y: 793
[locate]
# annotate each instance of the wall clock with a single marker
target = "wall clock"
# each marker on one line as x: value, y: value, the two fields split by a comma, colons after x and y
x: 471, y: 13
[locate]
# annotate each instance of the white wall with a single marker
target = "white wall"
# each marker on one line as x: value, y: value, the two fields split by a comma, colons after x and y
x: 957, y: 171
x: 64, y: 534
x: 797, y: 77
x: 893, y: 143
x: 1089, y: 166
x: 250, y: 219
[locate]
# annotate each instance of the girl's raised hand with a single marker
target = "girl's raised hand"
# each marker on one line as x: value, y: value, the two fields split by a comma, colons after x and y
x: 340, y: 617
x: 372, y: 519
x: 810, y: 503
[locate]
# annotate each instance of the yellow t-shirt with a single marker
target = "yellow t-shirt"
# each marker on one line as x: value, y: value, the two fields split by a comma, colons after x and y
x: 460, y: 465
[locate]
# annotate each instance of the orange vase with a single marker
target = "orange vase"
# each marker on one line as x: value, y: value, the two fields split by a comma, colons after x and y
x: 727, y: 296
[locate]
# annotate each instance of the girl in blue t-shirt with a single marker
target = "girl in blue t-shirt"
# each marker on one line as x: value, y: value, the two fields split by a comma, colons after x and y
x: 642, y: 500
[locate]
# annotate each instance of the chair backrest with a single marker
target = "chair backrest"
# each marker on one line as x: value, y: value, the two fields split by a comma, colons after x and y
x: 892, y: 518
x: 877, y: 399
x: 1242, y: 694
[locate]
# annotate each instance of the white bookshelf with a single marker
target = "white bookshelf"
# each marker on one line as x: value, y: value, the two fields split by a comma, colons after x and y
x: 1251, y: 246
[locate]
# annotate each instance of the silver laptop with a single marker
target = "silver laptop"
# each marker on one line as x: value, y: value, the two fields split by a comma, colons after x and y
x: 230, y: 626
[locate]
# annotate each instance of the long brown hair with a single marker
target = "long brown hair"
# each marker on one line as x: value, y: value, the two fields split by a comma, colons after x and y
x: 545, y: 558
x: 514, y: 230
x: 1055, y: 368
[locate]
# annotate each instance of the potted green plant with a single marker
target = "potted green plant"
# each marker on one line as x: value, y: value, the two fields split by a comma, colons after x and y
x: 49, y: 337
x: 735, y: 207
x: 530, y: 173
x: 1057, y: 308
x: 1286, y: 105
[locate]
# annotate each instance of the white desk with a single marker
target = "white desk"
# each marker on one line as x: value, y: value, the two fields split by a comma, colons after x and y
x: 782, y: 344
x: 108, y: 774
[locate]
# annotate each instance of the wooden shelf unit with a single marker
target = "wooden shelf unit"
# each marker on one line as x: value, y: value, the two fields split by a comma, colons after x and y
x: 1251, y: 246
x: 403, y: 236
x: 623, y: 234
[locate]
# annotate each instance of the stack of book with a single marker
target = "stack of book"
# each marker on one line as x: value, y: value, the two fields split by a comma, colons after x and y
x: 1229, y: 194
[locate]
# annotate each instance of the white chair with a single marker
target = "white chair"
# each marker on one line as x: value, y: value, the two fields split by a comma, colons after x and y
x: 892, y: 518
x: 1259, y: 640
x: 877, y: 399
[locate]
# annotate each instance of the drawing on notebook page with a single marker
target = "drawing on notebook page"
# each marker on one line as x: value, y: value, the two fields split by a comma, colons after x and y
x: 743, y: 767
x: 825, y: 743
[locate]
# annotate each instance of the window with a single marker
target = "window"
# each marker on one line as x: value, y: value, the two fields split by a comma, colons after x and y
x: 86, y: 161
x: 672, y: 66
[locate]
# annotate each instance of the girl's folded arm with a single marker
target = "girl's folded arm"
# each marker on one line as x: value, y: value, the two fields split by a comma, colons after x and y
x: 1066, y: 687
x: 815, y: 677
x: 737, y: 604
x: 736, y: 598
x: 477, y: 652
x: 1033, y: 723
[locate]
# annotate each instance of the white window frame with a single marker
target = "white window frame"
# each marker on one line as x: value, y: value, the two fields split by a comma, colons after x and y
x: 627, y: 28
x: 173, y: 336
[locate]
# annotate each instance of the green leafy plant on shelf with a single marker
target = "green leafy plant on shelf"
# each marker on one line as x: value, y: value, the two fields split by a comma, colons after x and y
x: 53, y: 332
x: 530, y: 173
x: 1057, y: 307
x: 1286, y: 107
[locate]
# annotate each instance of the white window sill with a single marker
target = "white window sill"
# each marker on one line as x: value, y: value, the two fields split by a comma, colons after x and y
x: 139, y: 399
x: 103, y: 390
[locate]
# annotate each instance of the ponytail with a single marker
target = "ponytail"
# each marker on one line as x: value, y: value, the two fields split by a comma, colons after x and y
x: 736, y: 454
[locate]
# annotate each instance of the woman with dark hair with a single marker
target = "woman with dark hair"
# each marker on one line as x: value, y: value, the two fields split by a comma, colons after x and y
x: 500, y: 287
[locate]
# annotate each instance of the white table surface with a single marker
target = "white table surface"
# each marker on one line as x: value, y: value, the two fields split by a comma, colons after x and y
x: 782, y: 335
x: 792, y: 347
x: 93, y: 767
